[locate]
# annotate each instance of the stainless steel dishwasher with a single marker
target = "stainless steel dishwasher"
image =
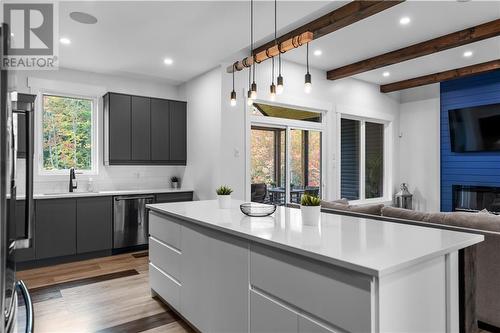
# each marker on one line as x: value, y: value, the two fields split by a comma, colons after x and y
x: 130, y: 221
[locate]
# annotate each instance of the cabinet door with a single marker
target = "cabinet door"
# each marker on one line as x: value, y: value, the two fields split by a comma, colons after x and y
x: 160, y: 127
x: 141, y: 123
x: 94, y: 220
x: 228, y: 276
x: 178, y: 131
x: 306, y: 325
x: 55, y: 228
x: 119, y: 108
x: 195, y: 285
x: 268, y: 316
x: 174, y: 197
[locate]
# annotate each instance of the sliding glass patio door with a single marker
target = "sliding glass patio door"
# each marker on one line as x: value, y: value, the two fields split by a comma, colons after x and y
x: 268, y: 164
x: 285, y: 163
x: 305, y: 163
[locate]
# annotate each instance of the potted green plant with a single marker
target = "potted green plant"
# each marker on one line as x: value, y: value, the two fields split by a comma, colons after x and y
x: 310, y: 209
x: 224, y: 196
x: 175, y: 181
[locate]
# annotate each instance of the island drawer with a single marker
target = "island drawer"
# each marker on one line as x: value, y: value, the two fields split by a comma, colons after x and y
x: 165, y: 257
x: 165, y: 230
x: 337, y: 296
x: 166, y: 287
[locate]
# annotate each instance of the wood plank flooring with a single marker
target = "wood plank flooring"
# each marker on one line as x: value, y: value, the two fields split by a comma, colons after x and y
x: 105, y: 295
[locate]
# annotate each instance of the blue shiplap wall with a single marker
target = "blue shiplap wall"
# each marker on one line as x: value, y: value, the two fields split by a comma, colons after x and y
x: 467, y: 168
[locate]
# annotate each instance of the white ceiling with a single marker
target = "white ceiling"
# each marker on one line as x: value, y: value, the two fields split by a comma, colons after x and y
x: 132, y: 38
x: 382, y: 33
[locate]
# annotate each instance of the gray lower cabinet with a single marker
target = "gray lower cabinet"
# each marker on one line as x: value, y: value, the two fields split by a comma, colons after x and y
x: 213, y: 274
x: 93, y: 224
x: 174, y: 197
x: 267, y: 315
x: 55, y: 228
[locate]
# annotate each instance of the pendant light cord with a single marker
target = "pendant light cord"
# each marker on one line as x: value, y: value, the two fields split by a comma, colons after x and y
x: 234, y: 69
x: 275, y: 38
x: 275, y: 31
x: 251, y: 37
x: 251, y: 47
x: 307, y: 57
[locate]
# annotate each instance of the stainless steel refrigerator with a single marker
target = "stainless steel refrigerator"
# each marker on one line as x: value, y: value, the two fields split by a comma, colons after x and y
x: 15, y: 302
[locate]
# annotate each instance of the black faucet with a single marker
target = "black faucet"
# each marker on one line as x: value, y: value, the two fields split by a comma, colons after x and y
x: 72, y: 180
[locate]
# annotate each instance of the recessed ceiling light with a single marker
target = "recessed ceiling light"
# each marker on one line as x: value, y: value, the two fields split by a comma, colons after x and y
x: 318, y: 53
x: 468, y: 54
x: 386, y: 74
x: 168, y: 61
x: 65, y: 41
x: 404, y: 20
x: 82, y: 17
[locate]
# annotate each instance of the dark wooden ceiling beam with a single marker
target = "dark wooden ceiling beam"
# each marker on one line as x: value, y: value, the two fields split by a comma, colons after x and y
x: 459, y: 38
x: 339, y: 18
x: 442, y: 76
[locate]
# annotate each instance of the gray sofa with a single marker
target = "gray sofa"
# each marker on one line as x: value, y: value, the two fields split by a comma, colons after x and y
x: 480, y: 277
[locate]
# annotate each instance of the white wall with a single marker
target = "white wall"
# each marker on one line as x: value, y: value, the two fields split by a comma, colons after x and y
x: 347, y: 95
x: 204, y: 133
x: 109, y: 177
x: 419, y: 146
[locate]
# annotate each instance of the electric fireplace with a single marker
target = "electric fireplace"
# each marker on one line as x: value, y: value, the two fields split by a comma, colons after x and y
x: 467, y: 198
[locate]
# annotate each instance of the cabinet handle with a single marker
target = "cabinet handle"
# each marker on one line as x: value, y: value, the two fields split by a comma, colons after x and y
x: 29, y: 216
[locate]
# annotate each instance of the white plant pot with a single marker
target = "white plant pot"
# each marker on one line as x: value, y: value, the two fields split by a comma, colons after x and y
x: 224, y: 201
x: 310, y: 215
x: 175, y: 184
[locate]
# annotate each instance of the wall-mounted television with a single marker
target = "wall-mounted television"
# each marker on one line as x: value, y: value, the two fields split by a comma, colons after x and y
x: 475, y: 129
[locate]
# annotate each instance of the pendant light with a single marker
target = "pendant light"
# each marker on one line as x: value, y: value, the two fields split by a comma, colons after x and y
x: 249, y: 93
x: 307, y: 83
x: 253, y: 87
x: 272, y: 88
x: 279, y: 88
x: 233, y: 93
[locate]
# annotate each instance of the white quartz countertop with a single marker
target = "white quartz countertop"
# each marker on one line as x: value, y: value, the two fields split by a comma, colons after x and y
x: 62, y: 195
x: 368, y: 246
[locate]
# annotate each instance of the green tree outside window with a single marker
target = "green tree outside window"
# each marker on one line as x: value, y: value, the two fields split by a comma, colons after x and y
x: 67, y: 133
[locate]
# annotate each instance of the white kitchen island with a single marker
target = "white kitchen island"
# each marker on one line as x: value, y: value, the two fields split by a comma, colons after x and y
x: 226, y: 272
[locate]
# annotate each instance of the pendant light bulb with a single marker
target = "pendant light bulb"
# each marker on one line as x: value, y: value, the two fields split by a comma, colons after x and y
x: 272, y: 94
x: 249, y: 98
x: 233, y: 98
x: 253, y: 91
x: 279, y: 87
x: 307, y: 84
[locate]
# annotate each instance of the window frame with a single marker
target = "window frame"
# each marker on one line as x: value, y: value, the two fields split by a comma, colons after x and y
x: 387, y: 158
x: 39, y: 134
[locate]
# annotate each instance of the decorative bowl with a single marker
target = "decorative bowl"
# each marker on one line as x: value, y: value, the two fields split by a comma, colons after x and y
x: 257, y: 209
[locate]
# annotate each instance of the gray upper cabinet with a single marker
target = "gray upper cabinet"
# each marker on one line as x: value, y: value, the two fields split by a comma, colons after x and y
x: 94, y: 224
x: 141, y: 123
x: 55, y: 228
x: 144, y: 130
x: 119, y: 109
x: 160, y: 128
x: 178, y: 127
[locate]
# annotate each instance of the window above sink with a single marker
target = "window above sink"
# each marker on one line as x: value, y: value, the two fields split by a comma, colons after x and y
x: 67, y: 134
